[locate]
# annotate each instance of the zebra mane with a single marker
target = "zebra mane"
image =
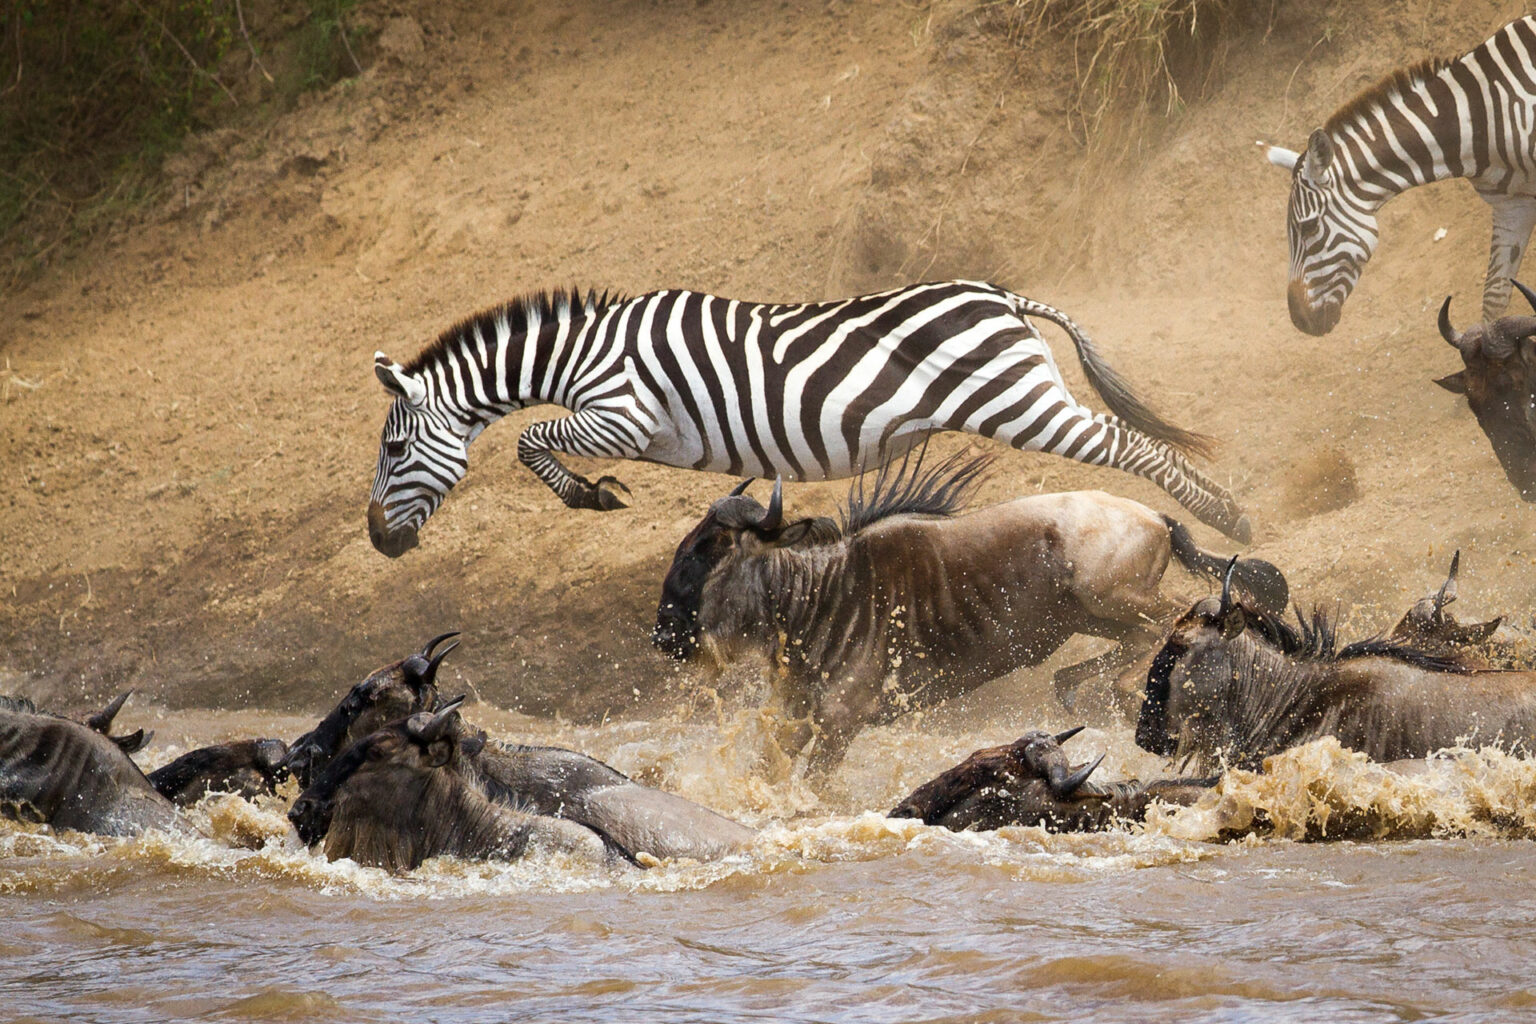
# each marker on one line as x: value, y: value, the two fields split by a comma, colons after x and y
x: 1381, y: 93
x: 941, y: 491
x: 535, y: 307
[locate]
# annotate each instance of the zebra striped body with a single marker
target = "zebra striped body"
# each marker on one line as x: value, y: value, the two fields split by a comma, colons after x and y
x: 1471, y: 117
x: 811, y: 392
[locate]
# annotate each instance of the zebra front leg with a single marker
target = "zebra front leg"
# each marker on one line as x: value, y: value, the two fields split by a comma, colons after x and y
x: 1513, y: 219
x: 595, y: 433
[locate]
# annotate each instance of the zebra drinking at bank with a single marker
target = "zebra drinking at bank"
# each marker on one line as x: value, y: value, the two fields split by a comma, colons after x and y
x: 814, y: 391
x: 1470, y: 117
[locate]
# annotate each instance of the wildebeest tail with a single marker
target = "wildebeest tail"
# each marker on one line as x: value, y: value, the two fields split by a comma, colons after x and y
x: 1115, y: 389
x: 1254, y: 579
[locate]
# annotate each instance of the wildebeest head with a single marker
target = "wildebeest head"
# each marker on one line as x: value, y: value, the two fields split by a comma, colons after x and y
x: 101, y: 722
x: 736, y: 526
x: 1499, y: 380
x: 393, y: 692
x: 387, y: 771
x: 1184, y: 685
x: 1429, y: 626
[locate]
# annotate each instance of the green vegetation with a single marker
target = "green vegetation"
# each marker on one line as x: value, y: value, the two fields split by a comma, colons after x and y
x: 95, y: 93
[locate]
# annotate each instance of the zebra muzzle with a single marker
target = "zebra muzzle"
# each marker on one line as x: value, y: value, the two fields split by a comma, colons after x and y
x: 393, y: 543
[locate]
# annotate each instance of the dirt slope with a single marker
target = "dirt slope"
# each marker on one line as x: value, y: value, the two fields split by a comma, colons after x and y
x: 189, y: 422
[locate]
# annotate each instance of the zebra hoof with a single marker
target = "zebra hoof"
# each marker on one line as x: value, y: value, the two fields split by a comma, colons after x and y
x: 607, y: 491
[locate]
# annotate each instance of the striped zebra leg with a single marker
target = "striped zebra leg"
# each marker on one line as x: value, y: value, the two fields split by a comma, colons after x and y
x: 1513, y: 219
x: 1128, y: 449
x: 594, y: 433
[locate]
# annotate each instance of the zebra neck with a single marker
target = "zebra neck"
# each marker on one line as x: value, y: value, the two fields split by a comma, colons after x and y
x: 488, y: 369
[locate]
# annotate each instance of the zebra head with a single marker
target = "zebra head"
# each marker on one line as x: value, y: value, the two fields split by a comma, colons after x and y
x: 423, y: 452
x: 1332, y: 233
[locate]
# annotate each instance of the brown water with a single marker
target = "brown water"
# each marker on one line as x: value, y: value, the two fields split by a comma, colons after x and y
x: 836, y: 913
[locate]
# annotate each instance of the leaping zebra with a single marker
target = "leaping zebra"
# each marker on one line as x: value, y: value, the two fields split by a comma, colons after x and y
x: 1470, y: 117
x: 814, y: 391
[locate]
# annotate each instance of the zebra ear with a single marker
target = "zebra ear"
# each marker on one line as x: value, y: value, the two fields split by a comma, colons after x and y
x: 1319, y: 155
x: 394, y: 378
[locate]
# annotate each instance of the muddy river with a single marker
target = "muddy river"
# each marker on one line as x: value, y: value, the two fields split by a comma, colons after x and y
x: 835, y: 914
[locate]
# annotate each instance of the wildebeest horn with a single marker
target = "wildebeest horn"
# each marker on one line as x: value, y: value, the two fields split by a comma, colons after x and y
x: 432, y: 729
x: 133, y: 742
x: 1069, y: 785
x: 426, y: 652
x: 1447, y: 592
x: 1446, y: 331
x: 101, y: 721
x: 741, y: 488
x: 1530, y: 296
x: 1226, y: 586
x: 430, y: 675
x: 775, y: 514
x: 1062, y: 737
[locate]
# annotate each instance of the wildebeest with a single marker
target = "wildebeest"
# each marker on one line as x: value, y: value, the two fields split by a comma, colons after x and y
x: 395, y: 691
x: 1031, y: 782
x: 1237, y: 683
x: 543, y: 780
x: 908, y: 604
x: 1499, y: 379
x: 56, y: 770
x: 246, y: 768
x: 410, y: 791
x: 1430, y: 627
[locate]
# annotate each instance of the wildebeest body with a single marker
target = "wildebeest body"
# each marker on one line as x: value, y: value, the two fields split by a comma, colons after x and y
x: 70, y: 776
x: 1235, y: 684
x: 639, y: 819
x: 910, y: 605
x: 246, y: 768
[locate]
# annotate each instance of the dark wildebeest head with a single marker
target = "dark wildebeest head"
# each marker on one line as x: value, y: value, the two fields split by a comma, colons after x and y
x: 101, y: 722
x: 1031, y: 782
x: 736, y: 527
x: 1428, y: 626
x: 410, y: 791
x: 246, y: 768
x: 1234, y: 683
x: 393, y: 692
x: 71, y: 775
x: 1499, y: 380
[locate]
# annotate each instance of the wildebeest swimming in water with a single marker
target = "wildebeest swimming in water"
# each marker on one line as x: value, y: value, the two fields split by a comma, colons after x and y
x: 1234, y: 682
x: 1429, y: 626
x: 56, y: 770
x: 1031, y: 782
x: 396, y: 691
x: 411, y: 791
x: 543, y: 780
x: 1498, y: 377
x: 245, y: 768
x: 908, y: 604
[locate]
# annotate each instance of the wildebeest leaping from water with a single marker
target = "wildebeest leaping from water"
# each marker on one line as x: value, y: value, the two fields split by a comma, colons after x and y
x: 908, y: 604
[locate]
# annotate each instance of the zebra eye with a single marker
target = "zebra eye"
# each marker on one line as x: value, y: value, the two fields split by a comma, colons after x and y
x: 394, y: 449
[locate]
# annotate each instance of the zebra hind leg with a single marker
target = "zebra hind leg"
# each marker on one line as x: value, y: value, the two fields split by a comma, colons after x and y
x: 1134, y: 452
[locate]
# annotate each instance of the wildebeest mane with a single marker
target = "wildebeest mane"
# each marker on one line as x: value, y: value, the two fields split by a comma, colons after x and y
x: 943, y: 490
x: 533, y: 308
x: 1315, y: 638
x: 20, y: 705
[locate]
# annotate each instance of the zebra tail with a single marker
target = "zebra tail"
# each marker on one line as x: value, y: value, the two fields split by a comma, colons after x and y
x: 1255, y: 579
x: 1116, y: 390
